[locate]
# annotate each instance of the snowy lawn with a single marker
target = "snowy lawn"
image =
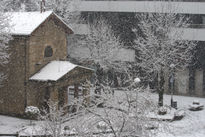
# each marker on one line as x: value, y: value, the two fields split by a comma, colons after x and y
x: 192, y: 125
x: 11, y: 125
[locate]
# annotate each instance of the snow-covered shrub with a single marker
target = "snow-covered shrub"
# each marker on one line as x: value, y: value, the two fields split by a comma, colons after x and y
x: 196, y: 102
x: 124, y: 113
x: 178, y: 115
x: 196, y: 106
x: 137, y: 80
x: 53, y: 119
x: 102, y: 125
x: 32, y: 112
x: 162, y: 110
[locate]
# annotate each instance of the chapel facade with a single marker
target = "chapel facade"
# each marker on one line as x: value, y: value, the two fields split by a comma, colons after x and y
x: 38, y: 70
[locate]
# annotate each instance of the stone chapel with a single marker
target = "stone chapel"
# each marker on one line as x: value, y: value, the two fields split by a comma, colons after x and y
x: 38, y: 70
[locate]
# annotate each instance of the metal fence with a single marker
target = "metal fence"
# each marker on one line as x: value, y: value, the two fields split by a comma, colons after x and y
x: 9, y: 135
x: 66, y: 135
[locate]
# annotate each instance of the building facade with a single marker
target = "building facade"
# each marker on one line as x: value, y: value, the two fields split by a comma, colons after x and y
x: 121, y: 14
x: 38, y: 70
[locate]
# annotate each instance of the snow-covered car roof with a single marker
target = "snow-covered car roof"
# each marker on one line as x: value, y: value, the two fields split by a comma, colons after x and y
x: 24, y: 23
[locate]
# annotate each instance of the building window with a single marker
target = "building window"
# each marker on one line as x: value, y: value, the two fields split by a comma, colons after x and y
x: 191, y: 81
x: 48, y: 51
x: 203, y: 19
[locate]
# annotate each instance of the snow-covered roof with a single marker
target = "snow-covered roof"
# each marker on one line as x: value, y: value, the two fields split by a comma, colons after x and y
x: 143, y: 6
x: 24, y: 23
x: 54, y: 70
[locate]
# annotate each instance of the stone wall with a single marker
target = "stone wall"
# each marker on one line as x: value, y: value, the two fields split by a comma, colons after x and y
x: 27, y: 58
x: 12, y: 94
x: 36, y: 93
x: 48, y: 34
x: 38, y: 90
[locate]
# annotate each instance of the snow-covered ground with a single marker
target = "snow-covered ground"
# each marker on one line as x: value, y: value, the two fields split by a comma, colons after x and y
x: 192, y: 125
x: 11, y: 125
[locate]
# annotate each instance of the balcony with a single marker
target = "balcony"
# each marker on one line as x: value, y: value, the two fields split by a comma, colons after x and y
x: 197, y: 26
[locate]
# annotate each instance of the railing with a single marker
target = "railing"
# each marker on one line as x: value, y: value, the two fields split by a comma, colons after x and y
x: 66, y: 135
x: 9, y: 135
x: 197, y: 26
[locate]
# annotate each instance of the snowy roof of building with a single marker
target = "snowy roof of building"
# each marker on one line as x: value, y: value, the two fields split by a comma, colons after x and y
x: 55, y: 70
x: 143, y: 6
x: 24, y: 23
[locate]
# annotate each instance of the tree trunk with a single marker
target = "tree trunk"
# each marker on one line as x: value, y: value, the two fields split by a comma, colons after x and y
x: 160, y: 87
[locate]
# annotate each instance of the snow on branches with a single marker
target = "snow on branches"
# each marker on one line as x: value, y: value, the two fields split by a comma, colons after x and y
x: 4, y: 39
x: 159, y: 44
x: 67, y: 9
x: 159, y: 41
x: 21, y: 5
x: 102, y: 43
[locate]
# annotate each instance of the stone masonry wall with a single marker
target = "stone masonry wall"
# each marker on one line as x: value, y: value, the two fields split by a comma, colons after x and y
x: 27, y: 58
x: 47, y: 35
x: 38, y: 90
x: 12, y: 93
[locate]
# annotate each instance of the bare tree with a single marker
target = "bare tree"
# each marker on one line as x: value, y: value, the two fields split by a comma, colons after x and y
x: 125, y: 113
x: 67, y: 9
x: 101, y: 42
x: 5, y: 37
x: 53, y: 120
x: 99, y: 48
x: 102, y: 46
x: 57, y: 122
x: 159, y: 43
x: 21, y: 5
x: 121, y: 113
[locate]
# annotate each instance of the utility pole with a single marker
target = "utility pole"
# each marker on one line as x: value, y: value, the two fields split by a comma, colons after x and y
x: 172, y: 66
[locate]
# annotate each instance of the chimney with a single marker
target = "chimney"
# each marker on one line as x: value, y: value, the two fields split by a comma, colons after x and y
x: 43, y: 6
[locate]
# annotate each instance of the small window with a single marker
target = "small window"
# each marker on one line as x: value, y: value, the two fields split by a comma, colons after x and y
x: 48, y: 51
x: 203, y: 19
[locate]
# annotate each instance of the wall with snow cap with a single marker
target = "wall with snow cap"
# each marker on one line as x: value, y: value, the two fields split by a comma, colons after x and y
x: 125, y: 55
x: 143, y: 6
x: 47, y: 35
